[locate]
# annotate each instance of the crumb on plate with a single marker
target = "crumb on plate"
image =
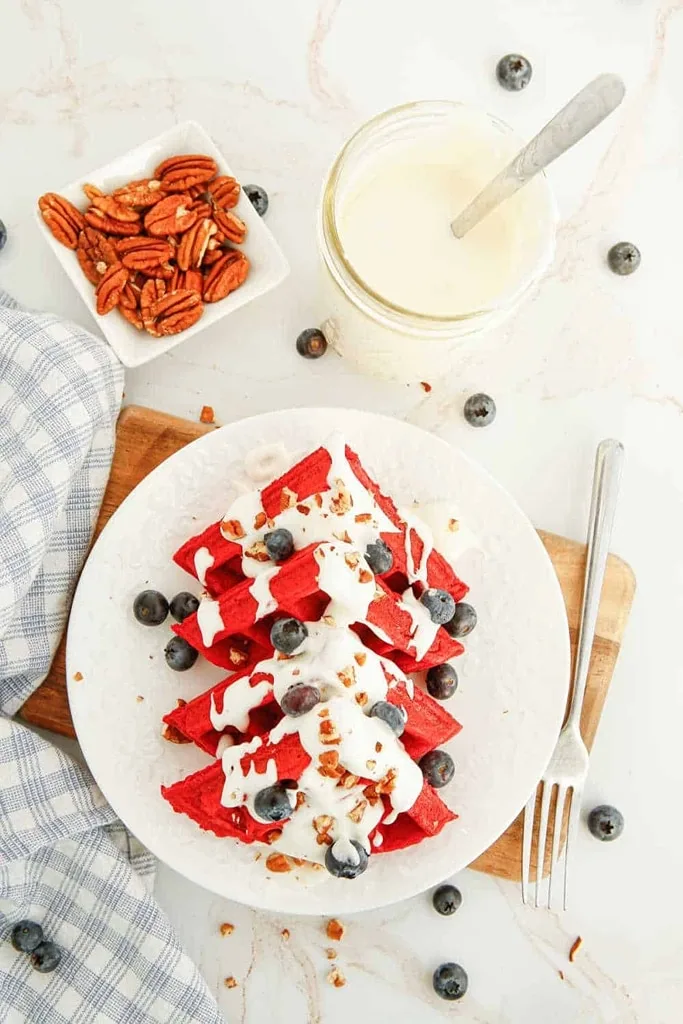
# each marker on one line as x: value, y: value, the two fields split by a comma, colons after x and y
x: 335, y: 930
x: 78, y: 676
x: 331, y: 954
x: 576, y: 946
x: 227, y: 928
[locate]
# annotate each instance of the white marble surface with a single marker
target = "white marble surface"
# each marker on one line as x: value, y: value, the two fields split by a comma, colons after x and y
x: 279, y: 86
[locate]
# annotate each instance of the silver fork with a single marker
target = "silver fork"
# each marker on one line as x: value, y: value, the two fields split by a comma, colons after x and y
x: 568, y: 766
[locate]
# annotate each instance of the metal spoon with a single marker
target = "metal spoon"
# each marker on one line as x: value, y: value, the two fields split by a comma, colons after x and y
x: 581, y: 115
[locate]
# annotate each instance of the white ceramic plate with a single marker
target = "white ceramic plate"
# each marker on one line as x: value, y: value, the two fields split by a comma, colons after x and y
x: 513, y: 678
x: 268, y: 264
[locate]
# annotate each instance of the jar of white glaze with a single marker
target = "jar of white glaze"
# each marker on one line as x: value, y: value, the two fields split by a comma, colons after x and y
x: 401, y: 297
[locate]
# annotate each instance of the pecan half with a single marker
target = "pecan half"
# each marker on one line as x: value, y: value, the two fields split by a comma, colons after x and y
x: 234, y: 229
x: 193, y: 244
x: 63, y: 219
x: 278, y: 863
x: 173, y: 313
x: 140, y: 194
x: 95, y: 253
x: 179, y: 173
x: 145, y: 254
x: 224, y: 192
x: 227, y: 274
x: 108, y: 291
x: 110, y: 207
x: 111, y: 225
x: 187, y: 280
x: 151, y: 291
x: 171, y: 216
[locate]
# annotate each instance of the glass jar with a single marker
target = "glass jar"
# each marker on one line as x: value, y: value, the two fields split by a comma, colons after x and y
x: 385, y: 339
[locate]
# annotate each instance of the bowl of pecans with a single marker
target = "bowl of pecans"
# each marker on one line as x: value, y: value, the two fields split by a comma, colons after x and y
x: 161, y: 243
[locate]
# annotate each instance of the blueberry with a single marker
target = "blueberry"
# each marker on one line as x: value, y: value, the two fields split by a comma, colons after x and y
x: 439, y: 604
x: 179, y: 654
x: 606, y: 823
x: 346, y: 859
x: 438, y: 768
x: 624, y: 258
x: 442, y: 682
x: 150, y: 607
x: 311, y: 343
x: 513, y: 72
x: 279, y: 544
x: 46, y: 957
x: 446, y: 900
x: 480, y: 410
x: 450, y: 981
x: 183, y: 605
x: 272, y: 803
x: 258, y: 197
x: 299, y: 699
x: 379, y: 557
x: 287, y: 634
x: 3, y: 235
x: 464, y: 620
x: 26, y: 935
x: 394, y: 717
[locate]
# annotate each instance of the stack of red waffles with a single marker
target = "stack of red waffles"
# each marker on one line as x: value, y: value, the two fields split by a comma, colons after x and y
x: 241, y: 643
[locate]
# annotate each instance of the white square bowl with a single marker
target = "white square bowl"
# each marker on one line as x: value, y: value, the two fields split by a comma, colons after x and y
x: 268, y: 264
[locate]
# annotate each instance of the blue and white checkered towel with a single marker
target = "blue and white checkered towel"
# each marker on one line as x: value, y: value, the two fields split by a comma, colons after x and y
x: 65, y: 860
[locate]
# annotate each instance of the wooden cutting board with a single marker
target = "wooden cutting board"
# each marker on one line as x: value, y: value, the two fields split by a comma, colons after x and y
x: 146, y: 437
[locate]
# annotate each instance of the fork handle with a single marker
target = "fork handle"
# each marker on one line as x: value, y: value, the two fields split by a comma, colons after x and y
x: 606, y: 478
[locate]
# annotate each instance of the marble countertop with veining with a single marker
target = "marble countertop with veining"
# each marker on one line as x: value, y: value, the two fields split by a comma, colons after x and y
x: 279, y: 86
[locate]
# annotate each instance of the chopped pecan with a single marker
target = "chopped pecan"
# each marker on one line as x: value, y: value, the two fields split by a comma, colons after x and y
x: 227, y: 928
x: 288, y: 498
x: 361, y: 698
x: 347, y: 676
x: 232, y: 529
x: 63, y: 219
x: 97, y: 218
x: 352, y: 559
x: 230, y: 982
x: 234, y: 229
x: 365, y: 576
x: 193, y: 244
x: 360, y: 657
x: 170, y: 216
x: 323, y: 823
x: 238, y: 656
x: 278, y: 863
x: 336, y: 978
x: 260, y: 520
x: 94, y: 253
x: 173, y: 735
x: 364, y: 517
x: 371, y: 794
x: 144, y: 254
x: 224, y: 192
x: 334, y: 930
x: 173, y: 313
x: 341, y: 501
x: 356, y: 813
x: 303, y: 509
x: 388, y: 783
x: 328, y: 732
x: 300, y: 800
x: 348, y: 780
x: 110, y: 287
x: 180, y: 173
x: 140, y: 194
x: 273, y: 836
x: 258, y: 552
x: 207, y: 414
x: 226, y: 274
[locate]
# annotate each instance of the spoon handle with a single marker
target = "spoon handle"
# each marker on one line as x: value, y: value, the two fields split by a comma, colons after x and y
x: 583, y: 113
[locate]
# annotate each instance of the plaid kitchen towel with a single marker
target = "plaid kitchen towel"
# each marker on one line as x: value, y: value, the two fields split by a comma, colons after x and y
x: 65, y: 860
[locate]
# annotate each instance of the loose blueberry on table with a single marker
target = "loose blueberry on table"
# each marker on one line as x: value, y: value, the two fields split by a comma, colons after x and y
x: 46, y: 957
x: 346, y: 860
x: 287, y: 634
x: 446, y: 900
x: 179, y: 654
x: 183, y: 605
x: 150, y: 608
x: 299, y: 699
x: 605, y: 823
x: 26, y: 935
x: 394, y: 717
x: 379, y: 557
x: 439, y: 604
x: 513, y: 72
x: 442, y: 681
x: 624, y: 258
x: 311, y: 343
x: 3, y: 235
x: 258, y: 197
x: 463, y: 622
x: 438, y: 768
x: 272, y: 803
x: 450, y: 981
x: 480, y: 410
x: 279, y: 544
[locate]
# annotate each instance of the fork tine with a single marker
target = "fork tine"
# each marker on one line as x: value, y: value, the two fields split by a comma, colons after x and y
x: 557, y: 836
x: 542, y: 836
x: 527, y: 836
x: 572, y: 827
